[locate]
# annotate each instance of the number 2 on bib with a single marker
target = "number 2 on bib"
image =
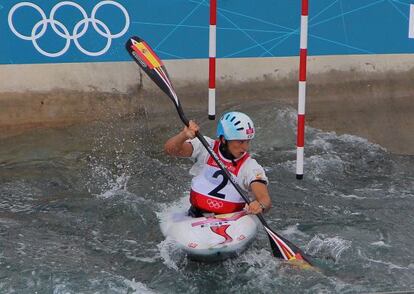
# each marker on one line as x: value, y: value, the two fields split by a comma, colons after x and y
x: 216, y: 191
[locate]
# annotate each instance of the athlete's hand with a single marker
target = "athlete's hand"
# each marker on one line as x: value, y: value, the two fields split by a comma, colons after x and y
x: 254, y: 207
x: 191, y: 130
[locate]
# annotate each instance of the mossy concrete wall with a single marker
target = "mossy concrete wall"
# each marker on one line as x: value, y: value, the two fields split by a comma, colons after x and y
x: 367, y: 95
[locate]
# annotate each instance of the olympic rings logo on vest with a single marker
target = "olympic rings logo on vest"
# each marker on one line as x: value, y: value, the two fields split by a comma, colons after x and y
x: 214, y: 203
x: 79, y: 30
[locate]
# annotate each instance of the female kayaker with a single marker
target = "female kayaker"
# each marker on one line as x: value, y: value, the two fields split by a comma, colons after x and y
x: 211, y: 191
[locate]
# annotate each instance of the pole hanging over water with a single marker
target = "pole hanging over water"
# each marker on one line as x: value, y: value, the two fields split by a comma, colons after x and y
x: 300, y: 142
x: 212, y: 61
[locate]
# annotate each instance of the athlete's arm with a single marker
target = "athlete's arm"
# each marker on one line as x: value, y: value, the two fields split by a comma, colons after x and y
x: 263, y: 201
x: 177, y: 145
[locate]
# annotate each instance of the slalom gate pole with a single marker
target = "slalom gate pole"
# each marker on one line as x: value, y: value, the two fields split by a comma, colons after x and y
x: 300, y: 142
x: 212, y: 61
x: 411, y: 22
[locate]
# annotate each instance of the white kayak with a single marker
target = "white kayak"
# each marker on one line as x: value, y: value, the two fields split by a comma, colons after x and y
x: 213, y: 237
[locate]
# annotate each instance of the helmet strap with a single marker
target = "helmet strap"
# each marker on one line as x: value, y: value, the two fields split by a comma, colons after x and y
x: 224, y: 150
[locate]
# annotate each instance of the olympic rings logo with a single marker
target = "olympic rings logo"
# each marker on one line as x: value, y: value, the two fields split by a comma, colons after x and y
x: 39, y: 29
x: 214, y: 203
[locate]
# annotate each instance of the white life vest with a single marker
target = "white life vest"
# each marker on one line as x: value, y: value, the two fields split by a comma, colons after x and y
x: 211, y: 191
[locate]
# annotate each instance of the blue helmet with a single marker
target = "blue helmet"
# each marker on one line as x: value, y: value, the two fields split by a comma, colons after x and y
x: 235, y: 126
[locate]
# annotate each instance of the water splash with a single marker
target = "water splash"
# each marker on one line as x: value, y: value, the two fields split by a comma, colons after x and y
x: 137, y: 287
x: 329, y: 247
x: 173, y: 257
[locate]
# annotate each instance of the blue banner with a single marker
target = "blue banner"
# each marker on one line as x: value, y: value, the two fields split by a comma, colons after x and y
x: 94, y: 31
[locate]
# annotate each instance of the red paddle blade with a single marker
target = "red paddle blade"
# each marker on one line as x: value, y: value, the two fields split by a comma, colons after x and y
x: 149, y: 61
x: 284, y: 249
x: 143, y: 53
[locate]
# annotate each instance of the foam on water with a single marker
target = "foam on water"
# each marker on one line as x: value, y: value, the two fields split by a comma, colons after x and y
x: 390, y: 265
x: 179, y: 205
x: 292, y: 230
x: 331, y: 247
x: 380, y: 244
x: 171, y: 255
x: 138, y: 287
x: 86, y: 218
x: 352, y: 197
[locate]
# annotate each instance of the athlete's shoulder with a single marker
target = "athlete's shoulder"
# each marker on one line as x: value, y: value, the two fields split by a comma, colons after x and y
x: 253, y: 170
x: 196, y: 142
x: 210, y: 140
x: 198, y: 149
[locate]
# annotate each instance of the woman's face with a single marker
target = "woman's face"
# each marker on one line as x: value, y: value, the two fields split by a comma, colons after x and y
x: 238, y: 147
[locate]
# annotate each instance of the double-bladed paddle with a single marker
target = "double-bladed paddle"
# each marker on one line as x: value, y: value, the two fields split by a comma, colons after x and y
x: 146, y: 58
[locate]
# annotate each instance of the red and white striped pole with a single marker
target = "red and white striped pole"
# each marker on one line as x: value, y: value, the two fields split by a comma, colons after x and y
x: 300, y: 143
x: 212, y: 61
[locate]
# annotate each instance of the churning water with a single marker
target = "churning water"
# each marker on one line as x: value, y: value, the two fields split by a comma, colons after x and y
x: 80, y: 211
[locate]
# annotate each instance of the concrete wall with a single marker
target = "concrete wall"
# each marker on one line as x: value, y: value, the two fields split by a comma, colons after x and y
x: 366, y: 95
